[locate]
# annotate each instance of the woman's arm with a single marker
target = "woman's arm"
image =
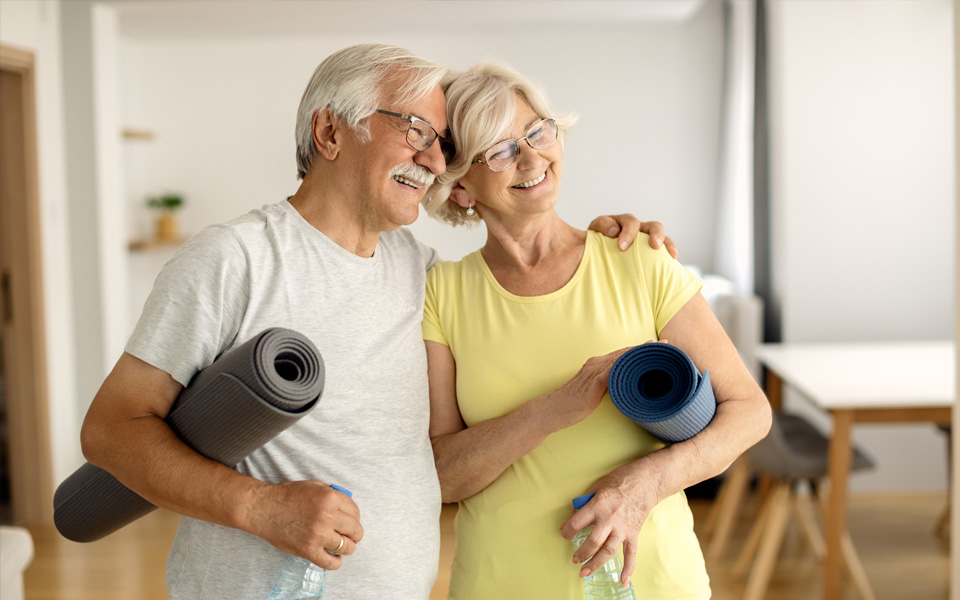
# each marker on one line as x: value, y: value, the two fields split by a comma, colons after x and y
x: 470, y: 458
x: 626, y: 496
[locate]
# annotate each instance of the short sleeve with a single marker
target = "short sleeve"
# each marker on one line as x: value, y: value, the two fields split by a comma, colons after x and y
x: 669, y: 284
x: 432, y: 328
x: 430, y: 256
x: 194, y: 311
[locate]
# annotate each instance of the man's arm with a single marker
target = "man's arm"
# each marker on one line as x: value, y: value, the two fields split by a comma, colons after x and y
x: 124, y: 432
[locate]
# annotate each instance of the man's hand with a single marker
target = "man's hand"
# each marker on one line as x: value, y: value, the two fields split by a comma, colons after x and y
x: 309, y: 519
x: 625, y: 228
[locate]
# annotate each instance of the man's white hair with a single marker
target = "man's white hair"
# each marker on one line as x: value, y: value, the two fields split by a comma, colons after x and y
x: 348, y: 83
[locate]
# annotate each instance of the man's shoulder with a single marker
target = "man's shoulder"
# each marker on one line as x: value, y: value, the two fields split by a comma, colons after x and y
x: 401, y: 238
x: 402, y: 243
x: 247, y: 229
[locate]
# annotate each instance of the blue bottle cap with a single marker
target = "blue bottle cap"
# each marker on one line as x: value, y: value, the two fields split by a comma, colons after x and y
x: 580, y: 501
x: 342, y: 489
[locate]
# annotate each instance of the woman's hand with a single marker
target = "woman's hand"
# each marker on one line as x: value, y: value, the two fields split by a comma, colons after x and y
x: 575, y: 400
x: 617, y: 511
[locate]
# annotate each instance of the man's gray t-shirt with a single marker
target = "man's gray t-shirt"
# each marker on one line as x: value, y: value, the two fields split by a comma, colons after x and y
x: 368, y: 433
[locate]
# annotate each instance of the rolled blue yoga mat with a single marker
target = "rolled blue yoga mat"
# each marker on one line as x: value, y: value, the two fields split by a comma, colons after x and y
x: 658, y: 387
x: 229, y: 409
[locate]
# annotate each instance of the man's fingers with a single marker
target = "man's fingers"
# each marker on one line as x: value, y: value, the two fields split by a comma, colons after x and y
x: 606, y: 225
x: 629, y: 228
x: 671, y: 246
x: 324, y: 559
x: 655, y: 230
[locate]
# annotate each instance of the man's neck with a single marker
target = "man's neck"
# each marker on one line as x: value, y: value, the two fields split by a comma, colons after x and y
x: 336, y: 216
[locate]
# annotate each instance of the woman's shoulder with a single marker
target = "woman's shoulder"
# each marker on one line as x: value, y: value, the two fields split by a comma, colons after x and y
x: 640, y: 250
x: 455, y: 268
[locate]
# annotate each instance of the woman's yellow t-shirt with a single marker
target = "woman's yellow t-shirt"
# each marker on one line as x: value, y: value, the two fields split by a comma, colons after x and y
x: 509, y: 349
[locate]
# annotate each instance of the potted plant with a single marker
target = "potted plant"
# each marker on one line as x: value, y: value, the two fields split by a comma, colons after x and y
x: 166, y: 205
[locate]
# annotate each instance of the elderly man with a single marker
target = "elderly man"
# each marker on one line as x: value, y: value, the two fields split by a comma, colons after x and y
x: 332, y: 262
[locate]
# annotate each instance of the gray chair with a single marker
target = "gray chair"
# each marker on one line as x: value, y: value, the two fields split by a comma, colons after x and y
x: 794, y: 452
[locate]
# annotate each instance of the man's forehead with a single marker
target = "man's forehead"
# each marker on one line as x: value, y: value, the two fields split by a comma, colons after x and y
x: 432, y: 108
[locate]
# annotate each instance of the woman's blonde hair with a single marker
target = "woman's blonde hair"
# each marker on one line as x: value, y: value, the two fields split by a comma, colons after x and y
x: 481, y: 107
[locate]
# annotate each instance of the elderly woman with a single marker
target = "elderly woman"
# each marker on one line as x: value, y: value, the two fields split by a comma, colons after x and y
x: 520, y: 337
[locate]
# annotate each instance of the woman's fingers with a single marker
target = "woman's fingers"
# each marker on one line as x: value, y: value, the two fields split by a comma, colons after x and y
x: 629, y: 560
x: 605, y: 550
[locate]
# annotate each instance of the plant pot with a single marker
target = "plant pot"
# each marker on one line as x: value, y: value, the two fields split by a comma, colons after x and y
x: 167, y: 229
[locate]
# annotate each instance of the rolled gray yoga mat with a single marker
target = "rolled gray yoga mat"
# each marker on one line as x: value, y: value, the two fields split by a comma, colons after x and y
x: 231, y: 408
x: 658, y: 387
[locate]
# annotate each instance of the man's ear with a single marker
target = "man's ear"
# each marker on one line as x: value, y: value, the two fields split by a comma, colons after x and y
x: 461, y: 196
x: 326, y: 133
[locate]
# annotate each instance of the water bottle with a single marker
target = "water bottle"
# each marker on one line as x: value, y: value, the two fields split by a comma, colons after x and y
x: 300, y: 579
x: 605, y: 582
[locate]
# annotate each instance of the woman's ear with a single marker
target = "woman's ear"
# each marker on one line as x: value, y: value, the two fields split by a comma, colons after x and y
x: 326, y: 133
x: 461, y: 196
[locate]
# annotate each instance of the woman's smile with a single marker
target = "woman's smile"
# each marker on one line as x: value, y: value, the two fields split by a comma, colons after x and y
x: 532, y: 183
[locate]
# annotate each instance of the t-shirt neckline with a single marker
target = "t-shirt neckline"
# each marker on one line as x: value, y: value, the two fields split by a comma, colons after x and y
x: 361, y: 261
x: 577, y: 276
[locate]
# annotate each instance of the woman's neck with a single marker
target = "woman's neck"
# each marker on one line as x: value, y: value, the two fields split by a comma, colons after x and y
x: 533, y: 257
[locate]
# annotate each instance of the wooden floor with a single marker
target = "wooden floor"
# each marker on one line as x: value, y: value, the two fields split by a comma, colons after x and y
x: 894, y: 535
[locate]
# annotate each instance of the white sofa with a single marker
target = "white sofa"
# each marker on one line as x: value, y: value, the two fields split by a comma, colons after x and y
x: 16, y: 552
x: 741, y: 316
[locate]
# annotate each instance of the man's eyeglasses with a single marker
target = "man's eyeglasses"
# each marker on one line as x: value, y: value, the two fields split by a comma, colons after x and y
x: 503, y: 154
x: 421, y: 135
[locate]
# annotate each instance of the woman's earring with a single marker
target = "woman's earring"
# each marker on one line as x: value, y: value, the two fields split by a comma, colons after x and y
x: 470, y: 211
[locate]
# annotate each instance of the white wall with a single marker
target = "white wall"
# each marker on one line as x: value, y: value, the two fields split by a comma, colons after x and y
x: 648, y: 96
x: 862, y: 184
x: 35, y: 27
x: 97, y: 223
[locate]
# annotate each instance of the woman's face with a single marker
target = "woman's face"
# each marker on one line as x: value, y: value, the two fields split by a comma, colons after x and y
x: 529, y: 186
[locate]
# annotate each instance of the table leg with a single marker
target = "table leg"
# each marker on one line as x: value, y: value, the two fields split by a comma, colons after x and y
x: 773, y: 387
x: 836, y: 517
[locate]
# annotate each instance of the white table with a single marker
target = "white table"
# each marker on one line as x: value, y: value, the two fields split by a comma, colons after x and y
x: 877, y: 382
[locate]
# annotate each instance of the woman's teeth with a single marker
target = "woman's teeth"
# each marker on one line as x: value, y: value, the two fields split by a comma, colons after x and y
x: 410, y: 182
x: 532, y: 182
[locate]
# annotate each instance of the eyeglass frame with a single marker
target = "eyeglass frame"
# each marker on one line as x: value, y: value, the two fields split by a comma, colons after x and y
x: 411, y: 119
x: 481, y: 159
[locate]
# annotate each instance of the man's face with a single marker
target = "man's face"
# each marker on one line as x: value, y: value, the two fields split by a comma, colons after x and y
x: 392, y: 176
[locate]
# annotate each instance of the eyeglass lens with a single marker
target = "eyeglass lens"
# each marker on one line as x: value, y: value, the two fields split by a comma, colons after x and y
x: 502, y: 155
x: 421, y: 136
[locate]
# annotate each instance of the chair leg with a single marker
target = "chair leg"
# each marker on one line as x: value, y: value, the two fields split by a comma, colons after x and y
x: 855, y: 567
x: 724, y: 511
x: 806, y: 515
x: 770, y: 544
x: 745, y: 559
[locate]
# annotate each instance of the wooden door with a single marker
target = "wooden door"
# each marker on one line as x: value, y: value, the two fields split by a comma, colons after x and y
x: 27, y: 448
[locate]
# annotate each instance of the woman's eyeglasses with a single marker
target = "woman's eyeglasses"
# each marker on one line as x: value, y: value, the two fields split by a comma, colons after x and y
x: 503, y: 154
x: 421, y: 135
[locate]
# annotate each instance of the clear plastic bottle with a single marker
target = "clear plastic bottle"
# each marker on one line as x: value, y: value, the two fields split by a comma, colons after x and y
x: 300, y: 579
x: 604, y: 584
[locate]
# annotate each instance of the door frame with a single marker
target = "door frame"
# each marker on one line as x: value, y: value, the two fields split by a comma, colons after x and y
x: 28, y: 414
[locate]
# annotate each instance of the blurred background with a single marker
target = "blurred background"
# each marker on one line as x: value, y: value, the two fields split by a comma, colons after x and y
x: 802, y: 150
